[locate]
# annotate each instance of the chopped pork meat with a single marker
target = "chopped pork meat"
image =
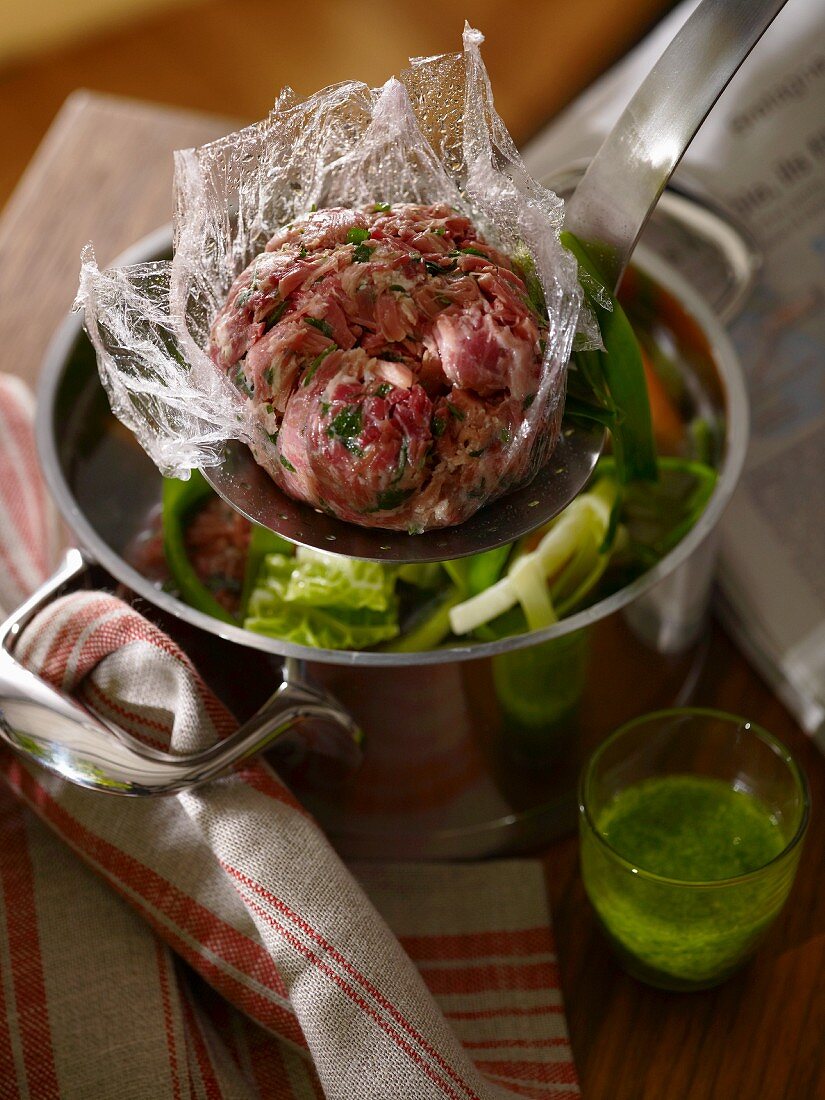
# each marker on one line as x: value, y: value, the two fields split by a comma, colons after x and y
x: 389, y: 356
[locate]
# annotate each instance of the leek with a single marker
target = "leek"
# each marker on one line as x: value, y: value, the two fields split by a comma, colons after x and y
x: 586, y: 520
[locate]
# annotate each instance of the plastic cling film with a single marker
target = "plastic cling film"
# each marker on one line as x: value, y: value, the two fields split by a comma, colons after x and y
x: 429, y: 140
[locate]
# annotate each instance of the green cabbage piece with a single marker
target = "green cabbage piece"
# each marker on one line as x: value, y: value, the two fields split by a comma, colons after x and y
x: 323, y: 600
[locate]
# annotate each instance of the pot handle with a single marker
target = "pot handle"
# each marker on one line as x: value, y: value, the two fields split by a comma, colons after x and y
x: 53, y: 730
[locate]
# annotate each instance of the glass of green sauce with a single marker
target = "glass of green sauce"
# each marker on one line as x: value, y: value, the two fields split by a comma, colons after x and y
x: 691, y: 826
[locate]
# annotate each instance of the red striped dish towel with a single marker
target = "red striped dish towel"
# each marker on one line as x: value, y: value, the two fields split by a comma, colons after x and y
x: 212, y: 944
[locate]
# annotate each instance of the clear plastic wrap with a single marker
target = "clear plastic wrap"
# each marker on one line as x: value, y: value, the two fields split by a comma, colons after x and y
x: 430, y: 137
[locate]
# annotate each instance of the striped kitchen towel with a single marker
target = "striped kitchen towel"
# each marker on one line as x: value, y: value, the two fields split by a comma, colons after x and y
x: 212, y: 944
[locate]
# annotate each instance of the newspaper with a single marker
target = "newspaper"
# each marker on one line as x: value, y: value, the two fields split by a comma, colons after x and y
x: 760, y: 155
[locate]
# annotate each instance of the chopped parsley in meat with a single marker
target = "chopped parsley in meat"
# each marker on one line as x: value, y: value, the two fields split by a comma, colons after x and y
x: 390, y: 355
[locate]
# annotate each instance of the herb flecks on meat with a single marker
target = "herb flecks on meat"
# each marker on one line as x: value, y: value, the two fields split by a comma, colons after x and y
x: 389, y: 354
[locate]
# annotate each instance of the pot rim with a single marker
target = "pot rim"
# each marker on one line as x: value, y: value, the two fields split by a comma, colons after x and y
x: 736, y: 438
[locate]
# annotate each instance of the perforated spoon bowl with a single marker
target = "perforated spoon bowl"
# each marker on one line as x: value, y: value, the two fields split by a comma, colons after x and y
x: 607, y: 212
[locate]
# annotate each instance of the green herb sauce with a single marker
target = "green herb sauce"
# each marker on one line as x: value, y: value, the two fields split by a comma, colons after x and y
x: 691, y: 828
x: 685, y: 829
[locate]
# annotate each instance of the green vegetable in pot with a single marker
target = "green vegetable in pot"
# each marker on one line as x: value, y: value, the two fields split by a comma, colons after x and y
x: 614, y: 378
x: 625, y: 529
x: 262, y: 542
x: 181, y: 499
x: 656, y: 517
x: 323, y: 600
x: 575, y: 539
x: 429, y: 624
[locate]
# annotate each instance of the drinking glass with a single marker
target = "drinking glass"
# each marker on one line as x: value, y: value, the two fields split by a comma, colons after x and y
x: 691, y: 824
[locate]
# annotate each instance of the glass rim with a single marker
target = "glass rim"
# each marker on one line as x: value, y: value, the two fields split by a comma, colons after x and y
x: 773, y: 742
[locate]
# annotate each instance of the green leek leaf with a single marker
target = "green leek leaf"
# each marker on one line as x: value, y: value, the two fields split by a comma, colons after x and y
x: 617, y: 375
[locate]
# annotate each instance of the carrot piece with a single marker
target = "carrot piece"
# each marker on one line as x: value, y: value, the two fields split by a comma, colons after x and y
x: 668, y: 429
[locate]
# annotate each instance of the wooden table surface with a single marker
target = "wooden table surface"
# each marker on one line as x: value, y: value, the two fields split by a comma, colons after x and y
x: 103, y: 174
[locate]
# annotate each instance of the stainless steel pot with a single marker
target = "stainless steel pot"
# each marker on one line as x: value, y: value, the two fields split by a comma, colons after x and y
x: 470, y: 750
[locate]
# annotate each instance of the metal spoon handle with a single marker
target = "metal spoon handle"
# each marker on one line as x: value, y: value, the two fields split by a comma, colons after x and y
x: 623, y: 182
